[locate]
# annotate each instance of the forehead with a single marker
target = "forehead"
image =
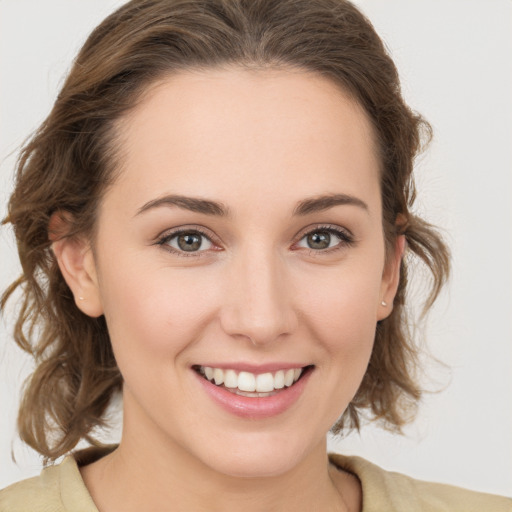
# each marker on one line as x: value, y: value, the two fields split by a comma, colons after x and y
x: 228, y: 131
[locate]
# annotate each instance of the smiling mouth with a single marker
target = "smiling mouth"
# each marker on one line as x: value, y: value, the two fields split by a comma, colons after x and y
x: 250, y: 384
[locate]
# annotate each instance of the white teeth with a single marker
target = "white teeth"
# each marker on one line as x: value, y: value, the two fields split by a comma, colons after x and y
x: 264, y: 382
x: 279, y: 380
x: 248, y: 382
x: 218, y: 376
x: 288, y: 377
x: 230, y: 379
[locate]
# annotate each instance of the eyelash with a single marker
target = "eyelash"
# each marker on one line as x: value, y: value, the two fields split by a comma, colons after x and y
x: 345, y: 236
x: 164, y: 239
x: 346, y: 240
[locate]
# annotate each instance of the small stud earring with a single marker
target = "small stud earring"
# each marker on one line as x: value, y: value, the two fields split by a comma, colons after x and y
x: 383, y: 303
x: 81, y: 298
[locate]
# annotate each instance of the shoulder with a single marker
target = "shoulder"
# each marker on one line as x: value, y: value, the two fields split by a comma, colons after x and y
x: 389, y: 491
x: 58, y: 488
x: 38, y: 494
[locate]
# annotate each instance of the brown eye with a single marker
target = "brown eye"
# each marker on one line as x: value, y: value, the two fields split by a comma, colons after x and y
x: 188, y: 241
x: 324, y: 238
x: 319, y: 240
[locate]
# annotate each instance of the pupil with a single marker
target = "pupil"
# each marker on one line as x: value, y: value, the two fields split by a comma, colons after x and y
x: 189, y: 242
x: 319, y: 240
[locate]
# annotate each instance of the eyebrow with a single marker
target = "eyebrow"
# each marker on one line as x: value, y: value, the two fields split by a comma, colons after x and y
x: 193, y: 204
x: 208, y: 207
x: 321, y: 203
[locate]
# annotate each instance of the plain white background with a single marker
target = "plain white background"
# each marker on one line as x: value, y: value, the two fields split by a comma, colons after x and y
x: 454, y: 58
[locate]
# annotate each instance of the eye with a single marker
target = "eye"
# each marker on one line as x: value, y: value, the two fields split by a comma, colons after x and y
x: 322, y: 239
x: 188, y: 241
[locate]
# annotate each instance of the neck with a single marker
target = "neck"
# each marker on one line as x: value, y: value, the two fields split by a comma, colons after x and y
x: 127, y: 480
x: 159, y: 474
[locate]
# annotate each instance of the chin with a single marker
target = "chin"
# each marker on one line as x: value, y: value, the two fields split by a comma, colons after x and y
x: 256, y: 457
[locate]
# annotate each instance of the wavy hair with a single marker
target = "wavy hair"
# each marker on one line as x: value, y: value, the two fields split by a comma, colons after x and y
x: 71, y: 159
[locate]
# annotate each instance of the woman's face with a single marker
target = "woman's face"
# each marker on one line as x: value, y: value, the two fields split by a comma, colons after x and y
x: 242, y: 235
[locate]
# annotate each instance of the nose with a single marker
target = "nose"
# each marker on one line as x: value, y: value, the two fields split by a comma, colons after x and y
x: 258, y: 304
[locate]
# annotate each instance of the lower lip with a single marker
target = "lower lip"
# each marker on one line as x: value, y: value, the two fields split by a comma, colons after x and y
x: 255, y: 407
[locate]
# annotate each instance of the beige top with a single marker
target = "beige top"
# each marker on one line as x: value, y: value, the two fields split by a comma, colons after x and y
x: 60, y: 488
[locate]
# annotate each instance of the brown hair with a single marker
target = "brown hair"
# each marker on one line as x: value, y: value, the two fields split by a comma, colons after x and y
x: 70, y: 160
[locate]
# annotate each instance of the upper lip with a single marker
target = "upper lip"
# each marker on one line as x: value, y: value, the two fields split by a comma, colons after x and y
x: 253, y: 368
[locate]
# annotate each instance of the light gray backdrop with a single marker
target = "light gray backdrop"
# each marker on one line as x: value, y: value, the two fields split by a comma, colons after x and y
x: 454, y: 57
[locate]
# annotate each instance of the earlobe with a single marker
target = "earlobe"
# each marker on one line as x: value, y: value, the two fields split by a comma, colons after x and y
x: 76, y: 263
x: 391, y: 279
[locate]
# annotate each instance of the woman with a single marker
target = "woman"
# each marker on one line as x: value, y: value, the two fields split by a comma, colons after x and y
x: 213, y: 221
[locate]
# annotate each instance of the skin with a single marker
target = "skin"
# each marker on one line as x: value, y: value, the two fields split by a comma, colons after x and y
x: 258, y: 142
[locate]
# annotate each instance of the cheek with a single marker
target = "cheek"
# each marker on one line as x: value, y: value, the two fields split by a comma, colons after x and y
x: 339, y: 314
x: 342, y: 317
x: 342, y: 308
x: 156, y: 312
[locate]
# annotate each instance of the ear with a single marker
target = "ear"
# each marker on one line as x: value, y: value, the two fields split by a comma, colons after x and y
x: 391, y: 279
x: 76, y: 262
